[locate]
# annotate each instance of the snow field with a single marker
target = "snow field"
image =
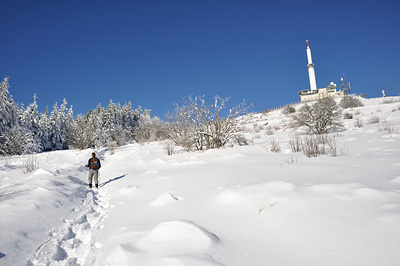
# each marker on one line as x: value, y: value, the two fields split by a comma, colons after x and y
x: 232, y: 206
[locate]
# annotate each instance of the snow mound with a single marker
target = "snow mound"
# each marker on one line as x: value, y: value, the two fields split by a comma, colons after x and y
x: 168, y: 244
x: 127, y: 190
x: 178, y: 237
x: 192, y: 260
x: 271, y: 192
x: 41, y: 173
x: 184, y: 163
x: 396, y: 180
x: 163, y: 200
x: 333, y: 188
x: 340, y: 192
x: 372, y: 194
x: 149, y: 172
x: 124, y: 255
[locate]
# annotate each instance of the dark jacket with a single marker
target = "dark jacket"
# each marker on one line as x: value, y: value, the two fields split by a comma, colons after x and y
x: 90, y: 163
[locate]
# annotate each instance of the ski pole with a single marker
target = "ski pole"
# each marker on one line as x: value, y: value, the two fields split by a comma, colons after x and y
x: 84, y: 174
x: 98, y: 178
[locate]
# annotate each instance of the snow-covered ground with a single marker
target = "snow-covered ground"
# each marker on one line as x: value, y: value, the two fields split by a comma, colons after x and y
x: 241, y: 205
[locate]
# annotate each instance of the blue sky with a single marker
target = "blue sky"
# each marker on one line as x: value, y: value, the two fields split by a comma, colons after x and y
x: 152, y: 53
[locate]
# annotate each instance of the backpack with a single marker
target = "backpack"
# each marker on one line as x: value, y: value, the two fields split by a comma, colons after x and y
x: 95, y: 164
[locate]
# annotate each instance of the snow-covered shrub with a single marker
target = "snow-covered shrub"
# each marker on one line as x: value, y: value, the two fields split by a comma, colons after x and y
x: 266, y: 111
x: 170, y: 148
x: 289, y: 161
x: 30, y: 163
x: 358, y: 123
x: 333, y: 149
x: 347, y: 115
x: 257, y: 128
x: 391, y: 100
x: 320, y: 117
x: 274, y: 146
x: 269, y: 131
x: 374, y: 120
x: 112, y: 146
x: 198, y: 126
x: 313, y: 146
x: 310, y: 146
x: 295, y: 143
x: 388, y: 127
x: 350, y: 101
x: 288, y: 109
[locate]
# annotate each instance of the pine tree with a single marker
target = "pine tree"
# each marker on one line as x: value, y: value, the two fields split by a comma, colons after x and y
x: 29, y: 119
x: 14, y: 139
x: 44, y: 131
x: 8, y: 108
x: 18, y: 140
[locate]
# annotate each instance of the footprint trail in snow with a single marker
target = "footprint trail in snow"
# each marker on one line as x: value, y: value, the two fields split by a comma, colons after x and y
x: 74, y: 242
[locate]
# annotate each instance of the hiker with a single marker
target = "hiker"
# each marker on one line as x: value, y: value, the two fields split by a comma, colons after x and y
x: 94, y: 166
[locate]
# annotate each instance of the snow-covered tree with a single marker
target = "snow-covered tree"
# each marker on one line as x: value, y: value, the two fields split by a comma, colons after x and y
x: 320, y: 117
x: 81, y: 133
x: 24, y: 130
x: 150, y: 129
x: 350, y: 101
x: 197, y: 126
x: 44, y: 133
x: 104, y: 126
x: 16, y: 141
x: 29, y: 119
x: 60, y: 120
x: 8, y: 108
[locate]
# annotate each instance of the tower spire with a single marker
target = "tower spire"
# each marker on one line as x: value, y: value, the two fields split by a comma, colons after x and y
x: 311, y: 71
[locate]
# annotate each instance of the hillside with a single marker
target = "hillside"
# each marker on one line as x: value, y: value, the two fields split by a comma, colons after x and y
x: 240, y: 205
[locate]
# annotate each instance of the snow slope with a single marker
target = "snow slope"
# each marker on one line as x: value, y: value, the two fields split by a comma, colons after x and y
x: 241, y: 205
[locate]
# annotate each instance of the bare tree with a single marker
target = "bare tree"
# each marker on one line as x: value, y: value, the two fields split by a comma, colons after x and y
x: 319, y: 117
x: 197, y: 126
x: 349, y: 101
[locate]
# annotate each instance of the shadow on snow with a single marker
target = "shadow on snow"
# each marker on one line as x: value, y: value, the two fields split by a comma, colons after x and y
x: 111, y: 180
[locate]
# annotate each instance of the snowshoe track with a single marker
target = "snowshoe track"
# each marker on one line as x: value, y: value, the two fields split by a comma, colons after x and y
x: 74, y: 242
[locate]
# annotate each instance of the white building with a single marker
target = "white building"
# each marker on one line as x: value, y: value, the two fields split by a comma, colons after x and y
x: 311, y: 95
